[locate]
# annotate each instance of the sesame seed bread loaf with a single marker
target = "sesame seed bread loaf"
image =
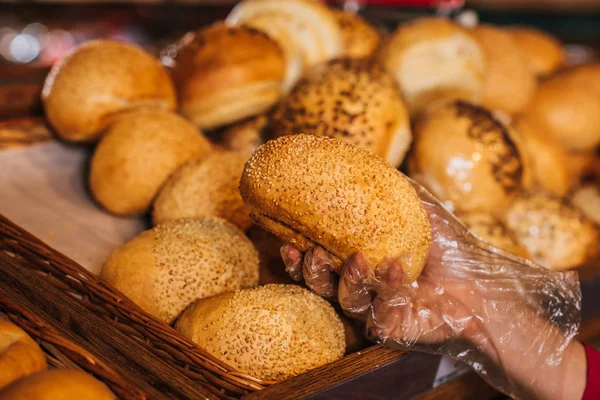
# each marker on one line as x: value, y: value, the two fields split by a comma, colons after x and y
x: 20, y: 355
x: 316, y: 190
x: 271, y: 332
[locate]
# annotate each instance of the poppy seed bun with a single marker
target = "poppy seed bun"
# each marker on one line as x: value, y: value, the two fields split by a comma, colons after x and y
x: 433, y: 59
x: 509, y: 82
x: 568, y: 111
x: 545, y: 154
x: 311, y: 190
x: 556, y: 235
x: 217, y: 87
x: 137, y: 155
x: 360, y: 38
x: 487, y: 227
x: 204, y: 187
x: 166, y: 268
x: 310, y: 23
x: 271, y: 332
x: 544, y: 54
x: 352, y: 100
x: 467, y: 158
x: 20, y: 355
x: 587, y: 199
x: 97, y: 81
x: 245, y: 137
x: 57, y: 384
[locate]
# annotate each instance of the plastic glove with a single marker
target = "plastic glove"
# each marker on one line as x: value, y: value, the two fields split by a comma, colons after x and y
x: 509, y: 319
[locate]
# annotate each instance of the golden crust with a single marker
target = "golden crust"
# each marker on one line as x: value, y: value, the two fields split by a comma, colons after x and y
x: 509, y: 82
x: 487, y: 227
x: 166, y: 268
x: 204, y: 187
x: 246, y: 136
x: 100, y: 79
x: 360, y: 38
x: 219, y: 87
x: 352, y: 100
x: 544, y: 53
x: 312, y: 189
x: 57, y: 384
x: 587, y: 199
x: 136, y: 156
x: 467, y: 158
x: 20, y: 355
x: 272, y: 332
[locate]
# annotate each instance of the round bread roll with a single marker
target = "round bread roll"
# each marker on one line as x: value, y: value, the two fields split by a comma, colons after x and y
x: 467, y: 158
x: 312, y: 25
x: 166, y: 268
x: 137, y: 154
x: 548, y: 161
x: 87, y: 89
x: 360, y: 38
x: 568, y: 111
x: 544, y: 54
x: 432, y: 60
x: 311, y: 190
x: 205, y: 187
x: 556, y: 235
x: 489, y: 228
x: 20, y: 355
x: 509, y: 81
x: 57, y: 384
x: 246, y: 136
x: 352, y: 100
x: 219, y: 87
x: 271, y: 332
x: 587, y: 199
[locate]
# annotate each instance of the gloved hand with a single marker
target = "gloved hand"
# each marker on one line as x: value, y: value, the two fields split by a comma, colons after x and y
x: 508, y: 318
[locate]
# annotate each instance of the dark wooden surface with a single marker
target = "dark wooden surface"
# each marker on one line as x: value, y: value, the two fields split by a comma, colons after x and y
x: 78, y: 324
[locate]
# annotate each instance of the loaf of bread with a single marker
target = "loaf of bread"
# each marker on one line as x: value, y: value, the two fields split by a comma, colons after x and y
x: 20, y: 355
x: 544, y: 53
x: 361, y: 39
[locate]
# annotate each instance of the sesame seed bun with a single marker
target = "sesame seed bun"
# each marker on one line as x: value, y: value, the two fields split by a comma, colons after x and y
x: 136, y: 156
x: 166, y: 268
x: 217, y: 87
x: 587, y: 199
x: 204, y: 187
x: 352, y: 100
x: 55, y: 384
x: 20, y: 355
x: 311, y: 190
x: 360, y: 38
x: 489, y: 228
x: 98, y: 80
x: 467, y: 158
x: 543, y: 52
x: 509, y: 82
x: 556, y: 234
x: 245, y: 137
x: 433, y: 59
x: 271, y: 332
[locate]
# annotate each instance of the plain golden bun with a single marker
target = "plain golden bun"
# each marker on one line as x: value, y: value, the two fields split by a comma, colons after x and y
x: 509, y: 81
x: 353, y: 100
x: 311, y: 190
x: 166, y: 268
x: 217, y: 87
x: 544, y: 53
x: 137, y: 155
x: 434, y: 59
x: 97, y: 81
x: 271, y: 332
x: 311, y: 24
x: 205, y: 187
x: 245, y: 137
x: 360, y: 38
x: 467, y: 158
x: 20, y: 355
x: 57, y: 384
x: 568, y: 111
x: 587, y: 199
x: 556, y: 234
x: 548, y: 160
x: 490, y: 229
